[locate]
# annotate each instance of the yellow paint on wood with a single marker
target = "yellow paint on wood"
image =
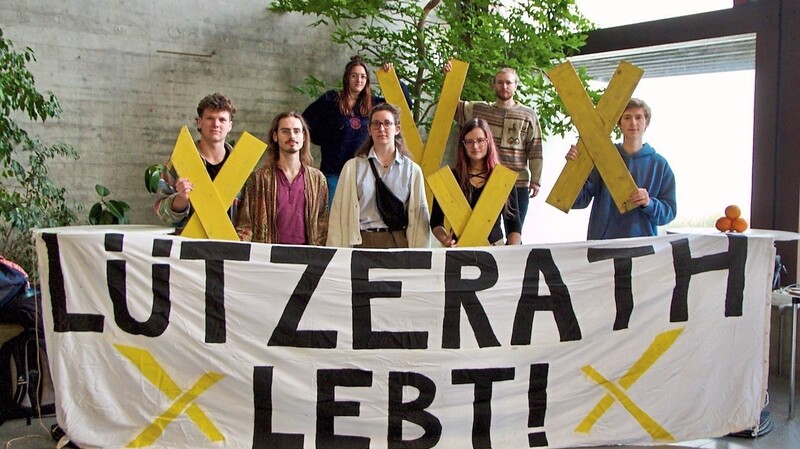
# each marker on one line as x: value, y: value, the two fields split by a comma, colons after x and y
x: 472, y: 226
x: 488, y: 208
x: 610, y: 107
x: 451, y: 199
x: 428, y: 155
x: 207, y: 203
x: 393, y: 93
x: 443, y: 119
x: 231, y: 177
x: 594, y: 126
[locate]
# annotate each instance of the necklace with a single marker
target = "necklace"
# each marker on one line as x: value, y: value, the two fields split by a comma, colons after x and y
x: 387, y: 163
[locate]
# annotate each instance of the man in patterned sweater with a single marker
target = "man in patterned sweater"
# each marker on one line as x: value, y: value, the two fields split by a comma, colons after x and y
x: 516, y: 131
x: 286, y: 201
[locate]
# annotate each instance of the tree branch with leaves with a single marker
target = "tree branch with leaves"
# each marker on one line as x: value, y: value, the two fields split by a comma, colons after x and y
x: 530, y: 36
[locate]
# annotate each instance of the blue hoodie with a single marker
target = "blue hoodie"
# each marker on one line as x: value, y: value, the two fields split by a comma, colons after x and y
x: 650, y: 171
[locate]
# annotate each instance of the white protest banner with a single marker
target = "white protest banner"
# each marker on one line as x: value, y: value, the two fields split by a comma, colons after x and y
x: 165, y: 342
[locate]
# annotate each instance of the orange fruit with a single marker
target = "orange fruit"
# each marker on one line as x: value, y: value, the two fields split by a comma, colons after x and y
x: 723, y: 224
x: 739, y: 225
x: 733, y: 212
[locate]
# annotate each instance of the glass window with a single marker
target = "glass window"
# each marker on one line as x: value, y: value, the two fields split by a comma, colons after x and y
x: 702, y: 124
x: 610, y: 13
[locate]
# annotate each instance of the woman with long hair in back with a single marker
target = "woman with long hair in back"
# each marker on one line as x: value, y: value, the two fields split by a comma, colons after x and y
x: 339, y: 119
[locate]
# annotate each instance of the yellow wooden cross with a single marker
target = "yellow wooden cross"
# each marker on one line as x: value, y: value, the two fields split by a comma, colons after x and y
x: 472, y: 226
x: 595, y: 146
x: 428, y: 155
x: 209, y: 199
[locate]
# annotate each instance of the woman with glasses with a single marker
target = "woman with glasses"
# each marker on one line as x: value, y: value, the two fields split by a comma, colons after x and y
x: 380, y: 202
x: 476, y: 157
x: 338, y: 120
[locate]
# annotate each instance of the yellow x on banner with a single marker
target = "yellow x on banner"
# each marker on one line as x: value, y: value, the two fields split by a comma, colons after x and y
x: 594, y: 126
x: 210, y: 200
x: 183, y: 401
x: 661, y: 343
x: 472, y: 225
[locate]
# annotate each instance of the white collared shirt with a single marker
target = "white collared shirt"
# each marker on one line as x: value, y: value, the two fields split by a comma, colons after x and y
x: 397, y: 178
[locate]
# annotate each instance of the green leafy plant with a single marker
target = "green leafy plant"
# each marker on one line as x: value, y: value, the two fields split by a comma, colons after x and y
x: 28, y: 197
x: 151, y: 176
x: 108, y: 211
x: 531, y: 36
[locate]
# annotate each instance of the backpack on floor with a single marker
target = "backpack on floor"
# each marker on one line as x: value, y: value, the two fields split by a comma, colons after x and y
x: 24, y: 377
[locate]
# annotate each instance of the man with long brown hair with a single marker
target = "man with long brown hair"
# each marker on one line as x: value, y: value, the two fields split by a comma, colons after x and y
x: 286, y: 201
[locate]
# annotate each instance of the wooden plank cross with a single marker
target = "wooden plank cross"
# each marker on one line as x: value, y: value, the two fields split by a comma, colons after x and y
x: 594, y: 125
x: 209, y: 199
x: 472, y: 226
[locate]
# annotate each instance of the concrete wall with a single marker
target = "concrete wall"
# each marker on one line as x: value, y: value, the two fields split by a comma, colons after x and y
x: 125, y: 91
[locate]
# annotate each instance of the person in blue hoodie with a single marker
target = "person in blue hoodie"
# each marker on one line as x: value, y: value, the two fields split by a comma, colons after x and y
x: 655, y: 195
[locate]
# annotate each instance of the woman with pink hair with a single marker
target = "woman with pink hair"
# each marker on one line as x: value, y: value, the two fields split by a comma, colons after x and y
x: 476, y: 157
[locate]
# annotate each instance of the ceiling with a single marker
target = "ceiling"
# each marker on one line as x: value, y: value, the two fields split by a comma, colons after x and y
x: 725, y: 54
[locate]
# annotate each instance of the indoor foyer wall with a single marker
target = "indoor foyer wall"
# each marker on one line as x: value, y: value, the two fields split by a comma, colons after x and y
x: 125, y: 92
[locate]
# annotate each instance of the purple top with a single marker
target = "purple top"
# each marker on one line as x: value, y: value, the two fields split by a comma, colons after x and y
x: 289, y: 218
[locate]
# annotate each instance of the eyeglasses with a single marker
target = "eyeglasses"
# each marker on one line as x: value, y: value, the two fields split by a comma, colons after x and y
x: 376, y: 125
x: 290, y: 131
x: 480, y: 142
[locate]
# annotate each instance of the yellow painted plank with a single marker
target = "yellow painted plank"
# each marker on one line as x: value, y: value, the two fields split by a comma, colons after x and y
x: 205, y: 200
x: 610, y: 107
x: 393, y: 93
x: 450, y: 198
x: 231, y: 177
x: 596, y: 140
x: 488, y: 208
x: 443, y: 119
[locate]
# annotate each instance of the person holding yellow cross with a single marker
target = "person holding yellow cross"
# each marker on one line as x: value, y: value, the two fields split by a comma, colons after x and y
x: 517, y: 134
x: 214, y: 121
x: 655, y: 195
x: 476, y: 157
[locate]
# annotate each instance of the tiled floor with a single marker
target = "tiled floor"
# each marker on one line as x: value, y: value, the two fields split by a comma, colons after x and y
x: 785, y: 434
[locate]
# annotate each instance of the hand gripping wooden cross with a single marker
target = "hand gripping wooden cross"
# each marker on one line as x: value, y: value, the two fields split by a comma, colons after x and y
x: 472, y: 226
x: 209, y: 199
x: 594, y: 125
